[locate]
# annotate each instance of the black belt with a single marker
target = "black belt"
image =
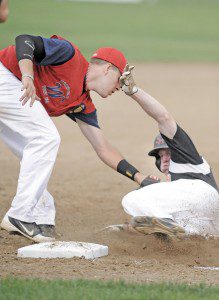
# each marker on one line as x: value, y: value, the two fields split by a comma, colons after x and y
x: 77, y: 109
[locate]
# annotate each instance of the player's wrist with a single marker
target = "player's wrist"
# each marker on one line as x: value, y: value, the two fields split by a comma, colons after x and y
x: 28, y: 76
x: 139, y: 177
x: 129, y: 91
x: 126, y: 169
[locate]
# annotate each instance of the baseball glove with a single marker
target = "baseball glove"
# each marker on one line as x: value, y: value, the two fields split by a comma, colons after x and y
x: 127, y: 81
x: 149, y: 180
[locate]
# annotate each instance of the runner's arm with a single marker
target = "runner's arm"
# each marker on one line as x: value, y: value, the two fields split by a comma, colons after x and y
x: 150, y: 105
x: 157, y: 111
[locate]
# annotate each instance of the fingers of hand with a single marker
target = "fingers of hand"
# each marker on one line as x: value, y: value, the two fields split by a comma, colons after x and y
x: 126, y: 68
x: 125, y: 74
x: 24, y: 98
x: 125, y: 77
x: 122, y: 77
x: 122, y: 80
x: 37, y: 98
x: 30, y: 92
x: 127, y: 81
x: 33, y: 98
x: 125, y: 89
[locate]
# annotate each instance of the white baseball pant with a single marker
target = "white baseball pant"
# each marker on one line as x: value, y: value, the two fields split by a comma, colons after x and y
x: 193, y: 204
x: 32, y: 136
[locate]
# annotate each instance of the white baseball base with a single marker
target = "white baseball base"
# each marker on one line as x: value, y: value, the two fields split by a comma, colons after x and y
x: 63, y: 250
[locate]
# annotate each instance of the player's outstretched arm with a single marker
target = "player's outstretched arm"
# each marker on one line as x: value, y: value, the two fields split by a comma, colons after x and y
x: 150, y: 105
x: 157, y: 111
x: 108, y: 154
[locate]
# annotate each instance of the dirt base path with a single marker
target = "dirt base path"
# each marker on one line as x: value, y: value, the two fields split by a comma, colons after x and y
x: 88, y: 194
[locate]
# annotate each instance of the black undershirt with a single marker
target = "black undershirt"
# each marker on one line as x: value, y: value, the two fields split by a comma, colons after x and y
x: 186, y: 161
x: 29, y: 47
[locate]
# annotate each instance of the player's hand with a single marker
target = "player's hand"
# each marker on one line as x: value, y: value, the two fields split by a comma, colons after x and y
x: 30, y: 91
x: 149, y: 180
x: 126, y: 81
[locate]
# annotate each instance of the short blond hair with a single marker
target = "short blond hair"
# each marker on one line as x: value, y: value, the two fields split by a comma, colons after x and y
x: 99, y: 61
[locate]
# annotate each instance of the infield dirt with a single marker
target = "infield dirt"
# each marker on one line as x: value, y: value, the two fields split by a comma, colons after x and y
x: 88, y: 194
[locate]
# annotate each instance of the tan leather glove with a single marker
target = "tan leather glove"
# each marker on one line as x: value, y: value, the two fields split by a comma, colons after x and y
x: 126, y: 81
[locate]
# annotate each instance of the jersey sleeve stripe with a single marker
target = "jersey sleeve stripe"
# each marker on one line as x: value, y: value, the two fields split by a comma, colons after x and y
x: 177, y: 168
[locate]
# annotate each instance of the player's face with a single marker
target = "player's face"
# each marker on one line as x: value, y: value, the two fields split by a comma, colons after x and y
x: 109, y: 81
x: 165, y: 160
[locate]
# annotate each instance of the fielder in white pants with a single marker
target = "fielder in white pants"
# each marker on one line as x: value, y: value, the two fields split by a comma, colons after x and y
x: 189, y: 202
x: 54, y: 71
x: 34, y: 139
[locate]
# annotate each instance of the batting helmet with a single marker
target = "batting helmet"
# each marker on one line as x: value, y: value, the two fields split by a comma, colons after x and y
x: 159, y: 143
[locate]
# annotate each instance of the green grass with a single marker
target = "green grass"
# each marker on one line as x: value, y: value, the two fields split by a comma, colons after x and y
x: 154, y: 30
x: 14, y: 289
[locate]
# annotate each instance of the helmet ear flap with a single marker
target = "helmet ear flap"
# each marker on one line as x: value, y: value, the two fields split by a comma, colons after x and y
x: 158, y: 163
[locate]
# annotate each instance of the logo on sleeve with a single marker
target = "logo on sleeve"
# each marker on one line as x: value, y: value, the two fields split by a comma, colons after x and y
x: 160, y: 141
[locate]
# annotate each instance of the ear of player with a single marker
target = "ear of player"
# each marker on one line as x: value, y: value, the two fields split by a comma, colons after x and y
x: 127, y: 82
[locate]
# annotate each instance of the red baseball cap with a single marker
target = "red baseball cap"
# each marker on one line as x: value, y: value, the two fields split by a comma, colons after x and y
x: 113, y: 56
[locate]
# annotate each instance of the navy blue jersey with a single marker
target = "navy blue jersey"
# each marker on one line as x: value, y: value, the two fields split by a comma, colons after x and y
x: 57, y: 52
x: 90, y: 119
x: 186, y: 162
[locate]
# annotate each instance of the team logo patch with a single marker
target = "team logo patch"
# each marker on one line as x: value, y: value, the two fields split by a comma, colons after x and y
x: 159, y: 141
x: 60, y: 91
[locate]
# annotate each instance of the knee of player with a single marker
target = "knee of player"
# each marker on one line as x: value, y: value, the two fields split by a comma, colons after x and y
x: 52, y: 139
x: 56, y: 139
x: 127, y: 200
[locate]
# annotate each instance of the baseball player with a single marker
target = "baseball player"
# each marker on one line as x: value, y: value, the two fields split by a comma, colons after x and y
x: 54, y: 72
x: 188, y: 203
x: 4, y: 11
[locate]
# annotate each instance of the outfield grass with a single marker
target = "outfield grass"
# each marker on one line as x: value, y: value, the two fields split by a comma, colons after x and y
x: 15, y: 289
x: 154, y: 30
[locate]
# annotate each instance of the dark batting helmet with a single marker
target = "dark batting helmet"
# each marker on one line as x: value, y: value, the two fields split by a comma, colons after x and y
x: 159, y: 143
